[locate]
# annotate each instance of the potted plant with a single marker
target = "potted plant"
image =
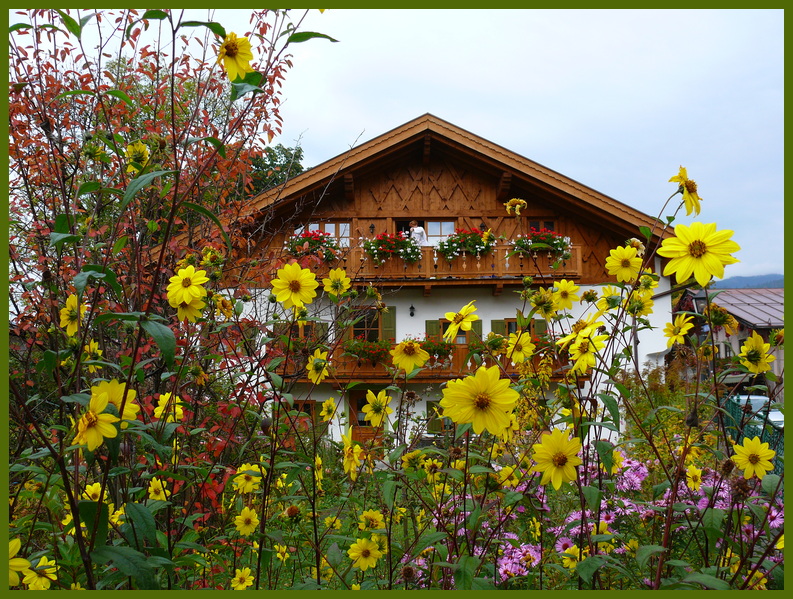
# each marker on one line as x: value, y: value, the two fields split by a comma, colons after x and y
x: 389, y: 245
x: 463, y: 241
x: 363, y: 349
x: 313, y: 243
x: 440, y: 349
x: 544, y: 240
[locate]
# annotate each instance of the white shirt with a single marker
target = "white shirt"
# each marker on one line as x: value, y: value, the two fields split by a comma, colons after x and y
x: 419, y: 235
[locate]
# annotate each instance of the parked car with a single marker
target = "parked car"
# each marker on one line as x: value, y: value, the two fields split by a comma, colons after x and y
x: 760, y: 405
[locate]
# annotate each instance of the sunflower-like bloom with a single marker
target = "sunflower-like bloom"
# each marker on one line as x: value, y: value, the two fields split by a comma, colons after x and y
x: 189, y: 311
x: 460, y: 320
x: 328, y: 409
x: 95, y: 426
x: 171, y: 409
x: 281, y: 552
x: 556, y: 456
x: 235, y: 55
x: 158, y: 489
x: 186, y: 286
x: 352, y: 456
x: 544, y: 300
x: 676, y: 331
x: 364, y: 554
x: 520, y: 347
x: 589, y: 322
x: 693, y: 477
x: 515, y: 205
x: 572, y: 555
x: 371, y: 520
x: 71, y: 315
x: 624, y: 263
x: 483, y: 399
x: 137, y: 154
x: 754, y: 354
x: 753, y: 457
x: 247, y: 479
x: 699, y: 250
x: 718, y: 317
x: 318, y: 366
x: 565, y: 294
x: 413, y: 460
x: 585, y: 348
x: 295, y: 286
x: 242, y: 579
x: 15, y: 564
x: 246, y: 522
x: 610, y: 298
x: 337, y: 282
x: 409, y: 355
x: 377, y: 409
x: 40, y: 576
x: 639, y: 303
x: 92, y: 352
x: 689, y: 189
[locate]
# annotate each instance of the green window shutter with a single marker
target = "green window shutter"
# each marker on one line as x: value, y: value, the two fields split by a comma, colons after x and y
x: 540, y: 326
x: 434, y: 425
x: 388, y: 323
x: 476, y: 329
x: 432, y: 328
x: 321, y: 331
x: 499, y: 327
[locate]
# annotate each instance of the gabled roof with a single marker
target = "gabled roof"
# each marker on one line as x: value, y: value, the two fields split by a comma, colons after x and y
x: 425, y: 132
x: 756, y: 308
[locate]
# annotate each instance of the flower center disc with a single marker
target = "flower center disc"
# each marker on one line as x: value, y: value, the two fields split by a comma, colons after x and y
x: 294, y: 286
x: 482, y: 401
x: 697, y: 248
x: 754, y: 458
x: 559, y: 460
x: 231, y: 49
x: 186, y: 282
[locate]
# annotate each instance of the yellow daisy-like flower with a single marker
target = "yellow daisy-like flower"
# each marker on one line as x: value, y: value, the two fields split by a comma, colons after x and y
x: 235, y: 54
x: 545, y: 301
x: 572, y: 556
x: 186, y: 286
x: 371, y: 520
x: 15, y: 564
x: 693, y: 477
x: 92, y: 353
x: 242, y: 579
x: 556, y: 456
x: 720, y: 317
x: 281, y: 552
x: 610, y: 298
x: 188, y: 311
x: 246, y: 522
x: 753, y: 457
x: 318, y: 366
x: 328, y: 409
x: 352, y: 456
x: 585, y: 348
x: 639, y: 304
x: 333, y: 523
x: 71, y: 315
x: 755, y: 354
x: 377, y: 409
x: 689, y: 190
x: 624, y: 263
x: 170, y: 408
x: 337, y: 282
x: 40, y: 576
x: 413, y: 460
x: 92, y: 491
x: 433, y: 469
x: 115, y: 395
x: 158, y: 489
x: 515, y: 205
x: 364, y: 554
x: 460, y: 320
x: 483, y: 399
x: 95, y: 426
x: 408, y: 355
x: 699, y: 250
x: 676, y: 331
x: 565, y: 294
x: 294, y: 286
x: 137, y: 153
x: 247, y: 479
x: 520, y: 347
x: 589, y: 322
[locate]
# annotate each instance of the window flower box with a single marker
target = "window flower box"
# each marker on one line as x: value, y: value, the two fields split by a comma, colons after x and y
x: 463, y: 241
x: 392, y: 245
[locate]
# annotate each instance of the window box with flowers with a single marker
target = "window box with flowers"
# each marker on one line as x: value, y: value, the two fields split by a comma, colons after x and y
x: 390, y: 245
x: 438, y: 349
x: 313, y: 243
x: 463, y: 241
x: 544, y: 240
x: 376, y: 352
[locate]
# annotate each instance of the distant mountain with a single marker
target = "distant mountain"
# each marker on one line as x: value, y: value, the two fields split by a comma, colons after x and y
x: 753, y: 282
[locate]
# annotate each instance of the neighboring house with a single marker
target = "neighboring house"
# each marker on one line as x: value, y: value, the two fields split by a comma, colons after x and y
x: 445, y: 178
x: 761, y: 310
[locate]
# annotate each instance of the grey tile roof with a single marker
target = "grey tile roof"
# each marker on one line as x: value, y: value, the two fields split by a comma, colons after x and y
x: 757, y: 308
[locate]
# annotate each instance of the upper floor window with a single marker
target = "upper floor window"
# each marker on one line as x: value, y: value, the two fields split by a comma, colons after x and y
x: 438, y: 230
x: 340, y: 231
x: 539, y: 225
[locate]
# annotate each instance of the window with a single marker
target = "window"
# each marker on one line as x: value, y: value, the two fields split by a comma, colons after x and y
x: 340, y: 231
x: 435, y: 422
x: 374, y: 325
x: 506, y: 327
x: 434, y: 329
x: 438, y: 230
x: 538, y: 225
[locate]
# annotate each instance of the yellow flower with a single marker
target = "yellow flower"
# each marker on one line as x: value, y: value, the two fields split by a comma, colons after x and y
x: 242, y: 579
x: 189, y: 311
x: 172, y: 408
x: 281, y: 552
x: 186, y: 286
x: 158, y: 489
x: 94, y: 426
x: 676, y: 331
x: 235, y: 54
x: 589, y: 322
x: 15, y: 564
x: 137, y: 152
x: 413, y: 460
x: 364, y: 554
x: 572, y: 556
x: 352, y: 456
x: 318, y: 366
x: 689, y: 189
x: 780, y: 544
x: 585, y: 348
x: 332, y: 522
x: 483, y: 399
x: 515, y: 205
x: 545, y: 301
x: 610, y: 298
x: 371, y: 520
x: 337, y: 282
x: 624, y: 264
x: 460, y: 320
x: 40, y: 577
x: 377, y: 409
x: 115, y: 395
x: 92, y: 492
x: 294, y: 286
x: 409, y: 355
x: 699, y: 250
x: 328, y: 409
x: 693, y: 477
x: 92, y: 352
x: 565, y: 294
x: 246, y: 522
x: 520, y: 347
x: 70, y: 315
x: 247, y: 479
x: 638, y: 304
x: 556, y: 456
x: 753, y: 457
x: 754, y: 354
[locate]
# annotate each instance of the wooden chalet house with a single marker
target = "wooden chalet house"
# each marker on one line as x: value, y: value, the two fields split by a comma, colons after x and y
x: 446, y: 178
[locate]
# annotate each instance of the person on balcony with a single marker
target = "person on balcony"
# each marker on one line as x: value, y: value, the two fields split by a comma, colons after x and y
x: 418, y: 233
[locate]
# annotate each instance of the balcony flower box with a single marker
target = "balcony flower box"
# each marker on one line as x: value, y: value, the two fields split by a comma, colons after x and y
x: 553, y: 244
x: 392, y: 245
x: 472, y: 242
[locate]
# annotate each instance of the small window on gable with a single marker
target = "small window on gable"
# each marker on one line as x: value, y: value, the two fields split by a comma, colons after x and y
x: 539, y: 225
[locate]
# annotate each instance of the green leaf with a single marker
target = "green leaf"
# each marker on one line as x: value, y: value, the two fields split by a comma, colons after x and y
x: 128, y: 316
x: 17, y: 26
x: 707, y: 581
x: 141, y: 520
x: 770, y: 483
x: 120, y: 244
x: 58, y: 239
x: 129, y: 562
x: 94, y: 271
x: 611, y: 405
x: 592, y: 496
x: 76, y: 92
x: 646, y: 231
x: 304, y: 36
x: 88, y: 187
x: 212, y: 140
x: 155, y: 15
x: 164, y: 338
x: 712, y: 522
x: 644, y: 553
x: 389, y: 490
x: 139, y: 183
x: 72, y: 25
x: 203, y: 211
x: 117, y: 93
x: 215, y: 28
x: 606, y: 452
x: 586, y: 568
x: 464, y: 572
x: 81, y: 398
x: 427, y: 540
x: 88, y: 516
